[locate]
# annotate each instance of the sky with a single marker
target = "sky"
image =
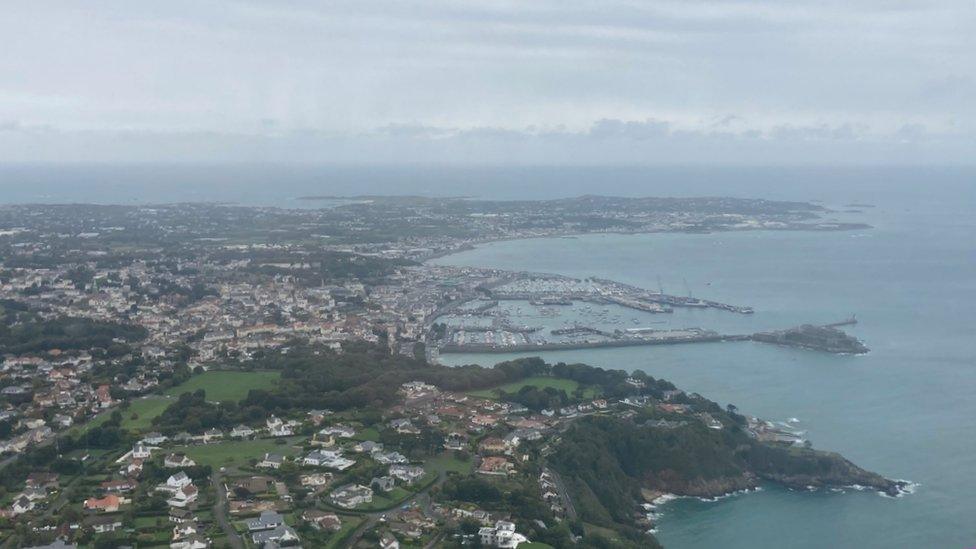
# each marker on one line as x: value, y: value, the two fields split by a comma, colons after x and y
x: 491, y: 81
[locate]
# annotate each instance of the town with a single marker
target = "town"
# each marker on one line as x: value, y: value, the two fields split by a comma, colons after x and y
x: 153, y: 360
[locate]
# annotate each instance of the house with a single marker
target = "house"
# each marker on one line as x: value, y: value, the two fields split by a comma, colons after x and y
x: 317, y: 458
x: 41, y: 478
x: 512, y: 440
x: 241, y: 431
x: 22, y: 505
x: 154, y: 439
x: 385, y: 483
x: 320, y: 520
x: 456, y: 441
x: 266, y: 521
x: 141, y: 451
x: 330, y: 458
x: 184, y: 496
x: 368, y: 447
x: 253, y: 485
x: 192, y: 542
x: 107, y: 504
x: 320, y: 439
x: 341, y: 431
x: 63, y: 421
x: 185, y: 530
x: 387, y: 541
x: 492, y: 445
x: 271, y: 461
x: 404, y: 427
x: 494, y: 465
x: 316, y: 479
x: 134, y: 468
x: 352, y: 495
x: 407, y: 473
x: 502, y: 535
x: 406, y: 529
x: 175, y: 482
x: 516, y: 408
x: 211, y: 435
x: 281, y: 536
x: 526, y: 434
x: 119, y: 486
x: 56, y: 544
x: 318, y: 416
x: 34, y: 493
x: 389, y: 457
x: 569, y: 411
x: 180, y: 516
x: 104, y: 396
x: 102, y: 524
x: 178, y: 460
x: 281, y: 431
x: 278, y: 428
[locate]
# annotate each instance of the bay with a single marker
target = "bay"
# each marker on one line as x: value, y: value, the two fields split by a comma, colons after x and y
x: 906, y: 410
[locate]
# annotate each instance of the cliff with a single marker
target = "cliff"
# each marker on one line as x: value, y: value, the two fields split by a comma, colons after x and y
x: 612, y: 460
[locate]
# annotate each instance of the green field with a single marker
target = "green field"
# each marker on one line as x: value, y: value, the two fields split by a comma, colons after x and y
x: 223, y: 386
x: 446, y: 462
x: 235, y: 453
x: 144, y: 410
x: 567, y: 385
x: 349, y: 523
x: 386, y: 501
x: 369, y: 433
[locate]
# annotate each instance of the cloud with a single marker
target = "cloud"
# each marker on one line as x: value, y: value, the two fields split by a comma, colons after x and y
x: 502, y: 75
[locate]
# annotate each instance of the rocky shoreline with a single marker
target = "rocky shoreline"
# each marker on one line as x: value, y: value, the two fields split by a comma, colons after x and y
x: 841, y: 474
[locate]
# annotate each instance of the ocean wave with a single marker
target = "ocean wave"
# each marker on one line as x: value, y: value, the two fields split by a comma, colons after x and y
x: 905, y: 488
x: 730, y: 494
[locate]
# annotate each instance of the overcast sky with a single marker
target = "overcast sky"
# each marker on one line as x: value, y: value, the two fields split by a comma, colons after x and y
x: 532, y: 81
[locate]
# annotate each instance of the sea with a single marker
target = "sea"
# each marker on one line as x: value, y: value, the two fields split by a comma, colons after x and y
x: 906, y: 410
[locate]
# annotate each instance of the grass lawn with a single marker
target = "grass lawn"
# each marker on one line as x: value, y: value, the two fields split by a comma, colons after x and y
x: 567, y: 385
x: 348, y: 525
x: 235, y: 453
x: 448, y: 462
x: 95, y: 422
x: 150, y: 522
x: 387, y: 500
x: 225, y: 386
x: 144, y: 410
x: 535, y: 545
x: 370, y: 433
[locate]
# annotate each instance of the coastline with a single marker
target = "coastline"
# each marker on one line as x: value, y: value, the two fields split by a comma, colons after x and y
x: 468, y: 246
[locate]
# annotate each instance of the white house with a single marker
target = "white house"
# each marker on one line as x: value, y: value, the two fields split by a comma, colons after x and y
x: 502, y: 535
x: 141, y: 451
x: 352, y: 495
x: 241, y: 431
x: 178, y: 460
x: 184, y: 496
x: 407, y: 473
x: 271, y: 461
x: 176, y: 481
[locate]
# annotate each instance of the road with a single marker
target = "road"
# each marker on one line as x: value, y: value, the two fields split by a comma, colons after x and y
x: 220, y: 511
x: 421, y: 498
x: 563, y: 495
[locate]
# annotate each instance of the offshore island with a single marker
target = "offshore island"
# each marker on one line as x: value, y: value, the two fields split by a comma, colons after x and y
x: 208, y: 375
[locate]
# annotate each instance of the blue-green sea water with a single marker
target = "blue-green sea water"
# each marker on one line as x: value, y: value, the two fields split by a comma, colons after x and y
x: 906, y: 410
